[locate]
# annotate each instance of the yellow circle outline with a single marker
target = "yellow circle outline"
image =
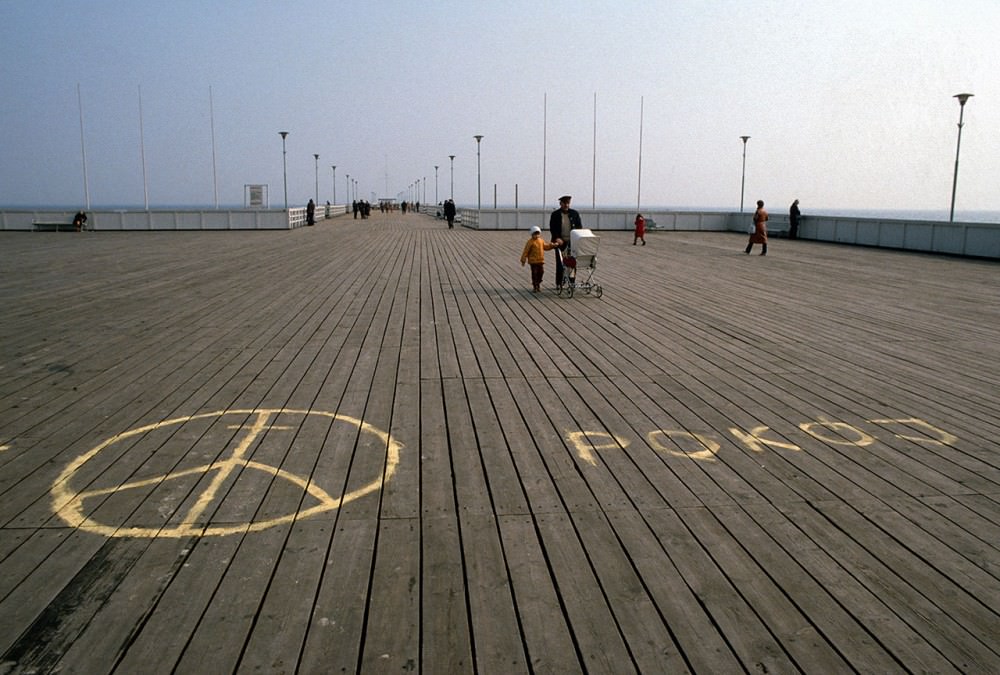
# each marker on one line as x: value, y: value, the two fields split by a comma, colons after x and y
x: 68, y: 505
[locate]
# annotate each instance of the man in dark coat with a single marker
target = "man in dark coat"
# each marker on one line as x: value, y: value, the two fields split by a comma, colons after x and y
x: 449, y: 212
x: 561, y: 222
x: 793, y: 220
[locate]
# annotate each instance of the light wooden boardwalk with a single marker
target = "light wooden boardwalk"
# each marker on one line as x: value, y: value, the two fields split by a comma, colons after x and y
x: 367, y: 447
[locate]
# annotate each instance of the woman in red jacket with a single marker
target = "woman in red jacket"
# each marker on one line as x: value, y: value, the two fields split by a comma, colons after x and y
x: 759, y: 234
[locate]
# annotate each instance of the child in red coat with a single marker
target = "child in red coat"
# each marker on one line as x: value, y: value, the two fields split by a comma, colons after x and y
x: 640, y: 229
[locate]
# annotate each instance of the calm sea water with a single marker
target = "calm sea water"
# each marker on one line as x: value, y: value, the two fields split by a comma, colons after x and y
x: 960, y: 216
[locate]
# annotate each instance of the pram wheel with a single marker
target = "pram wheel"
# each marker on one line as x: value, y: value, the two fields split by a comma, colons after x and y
x: 598, y: 291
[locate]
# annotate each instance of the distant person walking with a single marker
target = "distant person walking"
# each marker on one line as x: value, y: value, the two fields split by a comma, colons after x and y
x: 449, y: 212
x: 759, y: 235
x: 311, y: 213
x: 534, y: 254
x: 80, y: 221
x: 640, y: 229
x: 793, y: 220
x: 561, y: 222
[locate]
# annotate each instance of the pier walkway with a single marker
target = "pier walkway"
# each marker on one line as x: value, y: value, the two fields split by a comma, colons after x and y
x: 366, y: 446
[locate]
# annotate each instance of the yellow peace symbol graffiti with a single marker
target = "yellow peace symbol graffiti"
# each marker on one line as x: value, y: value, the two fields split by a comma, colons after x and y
x: 69, y: 504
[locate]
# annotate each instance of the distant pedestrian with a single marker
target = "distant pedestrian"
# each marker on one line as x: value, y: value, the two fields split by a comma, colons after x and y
x: 640, y: 230
x: 793, y: 220
x: 449, y: 212
x: 311, y: 213
x: 561, y: 222
x: 80, y: 221
x: 534, y: 254
x: 759, y: 234
x: 355, y: 207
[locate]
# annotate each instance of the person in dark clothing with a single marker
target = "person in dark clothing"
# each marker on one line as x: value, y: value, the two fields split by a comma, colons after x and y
x: 311, y: 213
x: 793, y: 220
x: 80, y: 221
x: 561, y: 222
x: 449, y: 212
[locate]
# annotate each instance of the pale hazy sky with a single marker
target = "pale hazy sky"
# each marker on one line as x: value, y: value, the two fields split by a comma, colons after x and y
x: 849, y: 103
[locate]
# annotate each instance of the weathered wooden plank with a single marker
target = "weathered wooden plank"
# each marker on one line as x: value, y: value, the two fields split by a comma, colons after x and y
x: 596, y: 632
x: 275, y: 642
x: 548, y: 639
x: 163, y: 636
x: 392, y: 627
x: 445, y: 633
x: 917, y: 593
x: 833, y: 573
x: 649, y: 637
x: 132, y: 599
x: 492, y: 611
x: 337, y: 625
x: 690, y: 625
x: 736, y: 619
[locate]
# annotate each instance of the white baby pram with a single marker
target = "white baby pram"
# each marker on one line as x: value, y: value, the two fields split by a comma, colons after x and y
x: 580, y: 264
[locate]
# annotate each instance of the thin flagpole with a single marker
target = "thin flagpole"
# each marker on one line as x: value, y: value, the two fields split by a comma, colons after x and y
x: 142, y: 154
x: 593, y: 187
x: 638, y: 196
x: 83, y: 147
x: 545, y: 140
x: 211, y: 118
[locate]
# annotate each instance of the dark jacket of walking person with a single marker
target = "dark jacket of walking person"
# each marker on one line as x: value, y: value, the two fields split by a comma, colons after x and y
x: 561, y: 222
x: 759, y: 234
x: 449, y: 212
x: 793, y: 220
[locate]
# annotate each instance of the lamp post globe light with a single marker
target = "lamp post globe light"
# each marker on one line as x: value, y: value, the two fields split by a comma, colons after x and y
x: 962, y: 98
x: 284, y: 164
x: 479, y: 189
x: 452, y: 194
x: 743, y: 178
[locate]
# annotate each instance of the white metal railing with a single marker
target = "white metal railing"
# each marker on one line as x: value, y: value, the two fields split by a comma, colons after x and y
x: 980, y: 240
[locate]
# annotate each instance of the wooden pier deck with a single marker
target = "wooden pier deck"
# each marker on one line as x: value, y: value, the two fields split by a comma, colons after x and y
x: 365, y: 446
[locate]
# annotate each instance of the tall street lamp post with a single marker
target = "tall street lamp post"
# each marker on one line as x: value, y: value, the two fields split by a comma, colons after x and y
x: 452, y: 194
x: 316, y: 157
x: 479, y: 189
x: 334, y: 167
x: 962, y: 98
x: 744, y: 176
x: 435, y: 183
x: 284, y: 165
